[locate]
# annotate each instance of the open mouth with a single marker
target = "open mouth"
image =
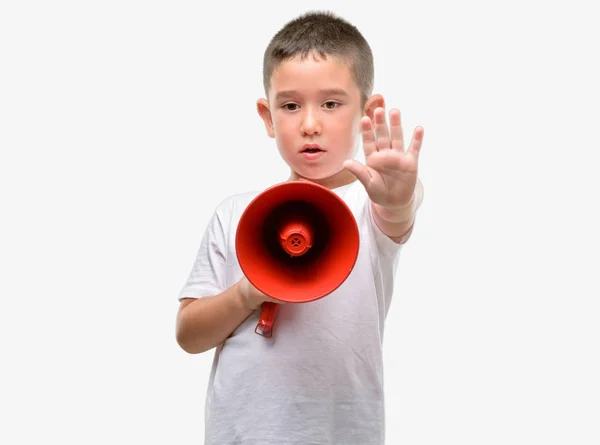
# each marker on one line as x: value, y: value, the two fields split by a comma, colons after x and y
x: 311, y: 148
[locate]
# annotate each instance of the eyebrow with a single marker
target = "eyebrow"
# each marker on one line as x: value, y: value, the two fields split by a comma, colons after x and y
x: 328, y: 92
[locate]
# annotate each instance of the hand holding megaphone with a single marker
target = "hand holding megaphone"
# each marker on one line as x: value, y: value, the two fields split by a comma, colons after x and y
x: 252, y: 298
x: 296, y: 242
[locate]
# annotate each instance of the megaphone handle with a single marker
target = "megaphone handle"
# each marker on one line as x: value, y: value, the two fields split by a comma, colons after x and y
x: 268, y: 312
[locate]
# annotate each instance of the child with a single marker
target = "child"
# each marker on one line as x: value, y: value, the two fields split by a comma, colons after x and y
x: 319, y: 379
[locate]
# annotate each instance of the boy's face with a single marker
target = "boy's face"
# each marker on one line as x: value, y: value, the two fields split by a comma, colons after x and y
x: 313, y: 112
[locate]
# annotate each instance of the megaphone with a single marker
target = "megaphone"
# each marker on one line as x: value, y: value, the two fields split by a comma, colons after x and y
x: 296, y: 242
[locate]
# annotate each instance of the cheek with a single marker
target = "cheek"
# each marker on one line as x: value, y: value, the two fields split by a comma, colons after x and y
x: 356, y: 124
x: 283, y: 129
x: 353, y: 131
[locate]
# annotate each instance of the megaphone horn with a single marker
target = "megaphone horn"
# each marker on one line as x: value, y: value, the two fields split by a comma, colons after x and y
x: 296, y: 242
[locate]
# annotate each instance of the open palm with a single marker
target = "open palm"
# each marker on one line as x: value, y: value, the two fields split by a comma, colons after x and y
x: 390, y: 173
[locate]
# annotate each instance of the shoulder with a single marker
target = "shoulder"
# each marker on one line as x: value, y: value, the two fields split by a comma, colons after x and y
x: 355, y: 196
x: 230, y: 209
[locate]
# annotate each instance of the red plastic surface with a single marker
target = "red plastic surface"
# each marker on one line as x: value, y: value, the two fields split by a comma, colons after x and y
x: 308, y: 276
x: 313, y: 275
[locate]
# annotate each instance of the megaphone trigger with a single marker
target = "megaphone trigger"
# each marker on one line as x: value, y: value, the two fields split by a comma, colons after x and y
x: 267, y: 319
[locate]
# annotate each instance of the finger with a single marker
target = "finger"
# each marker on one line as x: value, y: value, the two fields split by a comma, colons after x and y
x: 396, y: 130
x: 369, y: 145
x: 417, y: 141
x: 273, y: 300
x: 360, y: 171
x: 381, y: 130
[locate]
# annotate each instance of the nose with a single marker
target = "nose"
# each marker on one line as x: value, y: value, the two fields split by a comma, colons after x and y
x: 310, y: 122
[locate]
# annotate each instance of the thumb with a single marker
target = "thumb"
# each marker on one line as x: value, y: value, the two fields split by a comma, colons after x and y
x: 360, y: 171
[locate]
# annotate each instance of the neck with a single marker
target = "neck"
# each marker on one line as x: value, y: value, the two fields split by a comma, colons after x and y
x: 344, y: 177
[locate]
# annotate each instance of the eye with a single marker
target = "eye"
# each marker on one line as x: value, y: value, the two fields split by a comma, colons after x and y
x: 290, y: 106
x: 330, y: 104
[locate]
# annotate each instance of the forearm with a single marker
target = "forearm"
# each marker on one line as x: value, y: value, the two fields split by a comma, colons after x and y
x: 207, y: 322
x: 396, y: 222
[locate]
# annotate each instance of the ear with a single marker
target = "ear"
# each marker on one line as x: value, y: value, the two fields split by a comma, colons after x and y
x: 373, y: 102
x: 262, y: 106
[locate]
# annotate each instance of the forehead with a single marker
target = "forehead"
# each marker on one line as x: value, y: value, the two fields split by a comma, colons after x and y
x: 312, y: 74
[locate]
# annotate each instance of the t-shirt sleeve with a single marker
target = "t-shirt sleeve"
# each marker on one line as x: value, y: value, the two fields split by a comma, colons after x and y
x: 207, y: 277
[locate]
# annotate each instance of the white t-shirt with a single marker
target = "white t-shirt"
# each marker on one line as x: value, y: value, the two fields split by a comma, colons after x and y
x: 319, y: 379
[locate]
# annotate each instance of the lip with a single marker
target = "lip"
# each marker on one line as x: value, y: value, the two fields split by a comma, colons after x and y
x: 312, y: 156
x: 309, y: 146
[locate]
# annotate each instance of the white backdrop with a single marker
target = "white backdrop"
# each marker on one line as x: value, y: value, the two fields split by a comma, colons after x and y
x: 124, y: 123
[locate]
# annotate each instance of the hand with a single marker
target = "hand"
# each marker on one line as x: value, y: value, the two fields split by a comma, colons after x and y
x: 390, y: 174
x: 252, y: 298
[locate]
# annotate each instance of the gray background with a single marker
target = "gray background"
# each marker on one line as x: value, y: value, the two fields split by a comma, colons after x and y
x: 124, y: 123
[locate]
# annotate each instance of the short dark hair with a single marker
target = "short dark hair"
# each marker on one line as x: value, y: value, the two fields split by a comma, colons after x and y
x: 322, y: 34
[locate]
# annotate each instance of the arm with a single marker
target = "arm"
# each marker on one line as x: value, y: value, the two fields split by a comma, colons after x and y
x: 397, y: 223
x: 390, y: 174
x: 203, y: 323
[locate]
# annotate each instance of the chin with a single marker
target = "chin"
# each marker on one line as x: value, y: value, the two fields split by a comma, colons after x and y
x: 314, y: 173
x: 318, y: 175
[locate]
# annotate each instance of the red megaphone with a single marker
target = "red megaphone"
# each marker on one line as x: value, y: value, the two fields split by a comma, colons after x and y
x: 296, y: 242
